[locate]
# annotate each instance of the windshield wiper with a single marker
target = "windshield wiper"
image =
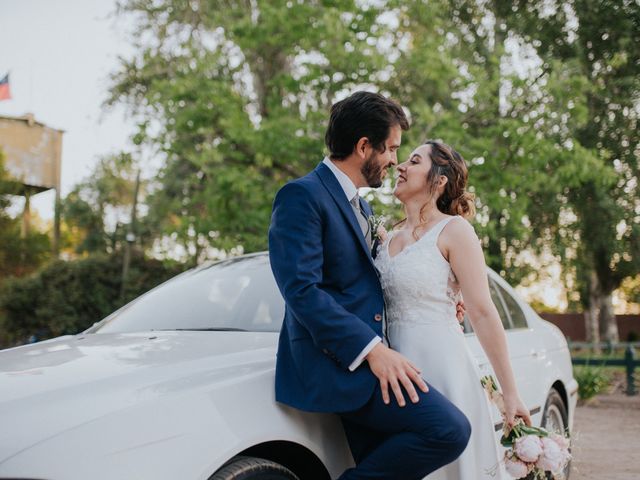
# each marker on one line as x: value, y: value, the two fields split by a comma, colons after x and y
x: 216, y: 329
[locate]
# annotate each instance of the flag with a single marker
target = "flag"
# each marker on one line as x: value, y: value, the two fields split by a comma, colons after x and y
x: 5, y: 94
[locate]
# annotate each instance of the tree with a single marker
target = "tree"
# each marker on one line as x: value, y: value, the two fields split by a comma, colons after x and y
x: 235, y: 97
x: 595, y: 42
x: 235, y: 100
x: 551, y: 134
x: 459, y: 76
x: 95, y: 211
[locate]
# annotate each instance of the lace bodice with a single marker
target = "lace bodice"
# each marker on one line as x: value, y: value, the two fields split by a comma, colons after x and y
x: 419, y: 285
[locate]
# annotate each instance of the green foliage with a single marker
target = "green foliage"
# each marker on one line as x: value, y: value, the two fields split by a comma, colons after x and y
x: 21, y: 255
x: 550, y: 132
x: 18, y: 255
x: 462, y: 86
x: 106, y: 194
x: 235, y: 98
x: 592, y: 380
x: 590, y: 55
x: 539, y: 306
x: 67, y: 297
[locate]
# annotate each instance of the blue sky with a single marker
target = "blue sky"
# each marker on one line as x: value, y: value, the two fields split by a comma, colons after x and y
x: 59, y: 55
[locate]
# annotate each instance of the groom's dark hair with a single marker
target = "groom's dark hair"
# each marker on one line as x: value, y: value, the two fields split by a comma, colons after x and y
x: 362, y: 114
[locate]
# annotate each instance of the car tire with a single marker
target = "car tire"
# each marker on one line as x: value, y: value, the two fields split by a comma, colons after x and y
x: 252, y: 468
x: 555, y: 419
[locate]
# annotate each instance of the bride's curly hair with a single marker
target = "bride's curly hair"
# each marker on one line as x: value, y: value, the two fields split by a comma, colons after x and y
x: 455, y: 200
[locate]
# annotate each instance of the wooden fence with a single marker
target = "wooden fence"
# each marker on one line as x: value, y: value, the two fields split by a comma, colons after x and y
x: 573, y: 326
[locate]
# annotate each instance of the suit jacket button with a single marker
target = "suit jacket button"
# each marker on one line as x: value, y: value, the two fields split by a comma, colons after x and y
x: 377, y: 317
x: 325, y: 351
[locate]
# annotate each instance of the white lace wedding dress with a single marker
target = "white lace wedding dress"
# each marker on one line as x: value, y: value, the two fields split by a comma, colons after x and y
x: 421, y: 293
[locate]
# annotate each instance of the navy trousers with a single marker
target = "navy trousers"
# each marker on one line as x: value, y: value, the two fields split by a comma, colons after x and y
x: 404, y: 443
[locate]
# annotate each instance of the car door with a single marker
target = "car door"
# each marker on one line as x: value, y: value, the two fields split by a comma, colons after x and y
x: 525, y: 351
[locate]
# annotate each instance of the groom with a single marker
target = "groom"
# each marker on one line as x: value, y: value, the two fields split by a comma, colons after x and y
x: 331, y: 357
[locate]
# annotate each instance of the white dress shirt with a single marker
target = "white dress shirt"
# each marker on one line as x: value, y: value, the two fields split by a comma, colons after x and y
x: 350, y: 190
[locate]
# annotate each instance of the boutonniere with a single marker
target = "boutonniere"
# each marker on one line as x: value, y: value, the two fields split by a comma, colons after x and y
x: 376, y: 227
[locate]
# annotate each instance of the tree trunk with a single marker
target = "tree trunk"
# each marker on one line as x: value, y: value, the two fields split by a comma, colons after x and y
x: 130, y: 238
x: 55, y: 246
x: 592, y: 314
x: 26, y: 214
x: 608, y: 323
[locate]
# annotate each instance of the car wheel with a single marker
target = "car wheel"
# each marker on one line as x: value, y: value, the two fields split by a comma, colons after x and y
x: 252, y: 468
x: 555, y: 419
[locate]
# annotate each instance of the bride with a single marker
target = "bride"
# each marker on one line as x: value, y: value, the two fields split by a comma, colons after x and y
x: 426, y: 264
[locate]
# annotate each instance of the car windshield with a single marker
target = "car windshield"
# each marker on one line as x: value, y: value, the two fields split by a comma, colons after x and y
x: 237, y: 294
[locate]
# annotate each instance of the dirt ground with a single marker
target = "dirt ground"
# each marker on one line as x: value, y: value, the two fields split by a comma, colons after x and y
x: 606, y: 435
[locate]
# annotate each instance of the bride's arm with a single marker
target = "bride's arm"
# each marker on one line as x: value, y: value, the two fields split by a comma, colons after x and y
x: 460, y: 245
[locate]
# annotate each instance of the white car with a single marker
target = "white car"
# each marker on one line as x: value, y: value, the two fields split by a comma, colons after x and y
x: 179, y: 384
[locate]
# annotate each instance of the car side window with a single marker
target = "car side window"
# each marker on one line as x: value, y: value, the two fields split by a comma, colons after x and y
x: 497, y: 301
x: 466, y: 325
x: 518, y: 318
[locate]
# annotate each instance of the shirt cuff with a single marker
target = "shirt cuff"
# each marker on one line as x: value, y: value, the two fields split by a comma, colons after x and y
x: 360, y: 358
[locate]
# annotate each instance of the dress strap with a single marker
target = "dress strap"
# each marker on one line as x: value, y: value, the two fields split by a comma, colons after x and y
x: 436, y: 230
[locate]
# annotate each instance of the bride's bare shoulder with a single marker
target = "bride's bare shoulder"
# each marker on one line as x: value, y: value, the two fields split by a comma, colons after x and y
x: 459, y: 228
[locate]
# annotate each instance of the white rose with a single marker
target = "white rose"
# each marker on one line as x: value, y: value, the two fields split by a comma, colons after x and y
x: 528, y: 448
x: 553, y: 459
x: 515, y: 467
x: 562, y: 441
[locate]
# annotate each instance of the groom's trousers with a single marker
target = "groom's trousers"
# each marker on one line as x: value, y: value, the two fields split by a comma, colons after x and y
x: 404, y: 443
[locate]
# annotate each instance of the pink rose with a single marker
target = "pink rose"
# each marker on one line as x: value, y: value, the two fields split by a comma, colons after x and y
x: 515, y: 467
x: 528, y: 448
x: 553, y: 458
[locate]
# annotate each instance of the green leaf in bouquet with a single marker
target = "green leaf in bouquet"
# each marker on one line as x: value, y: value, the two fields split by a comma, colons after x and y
x: 506, y: 441
x: 540, y: 432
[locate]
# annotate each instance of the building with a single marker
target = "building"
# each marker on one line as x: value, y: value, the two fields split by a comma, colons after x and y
x: 33, y: 154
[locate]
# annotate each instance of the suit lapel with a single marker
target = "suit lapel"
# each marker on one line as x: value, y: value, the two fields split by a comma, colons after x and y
x: 332, y: 185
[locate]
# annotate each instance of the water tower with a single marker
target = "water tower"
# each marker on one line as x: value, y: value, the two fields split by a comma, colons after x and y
x: 33, y: 159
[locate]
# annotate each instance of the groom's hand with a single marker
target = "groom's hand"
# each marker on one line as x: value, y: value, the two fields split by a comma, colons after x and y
x: 460, y: 311
x: 394, y: 370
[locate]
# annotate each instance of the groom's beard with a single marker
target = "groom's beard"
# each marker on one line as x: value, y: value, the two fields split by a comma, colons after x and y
x: 372, y: 171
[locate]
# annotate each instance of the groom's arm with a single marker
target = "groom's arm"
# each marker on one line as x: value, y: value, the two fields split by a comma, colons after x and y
x: 296, y: 255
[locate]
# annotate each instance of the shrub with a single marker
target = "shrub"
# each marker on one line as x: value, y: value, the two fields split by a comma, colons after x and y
x: 68, y: 297
x: 592, y: 380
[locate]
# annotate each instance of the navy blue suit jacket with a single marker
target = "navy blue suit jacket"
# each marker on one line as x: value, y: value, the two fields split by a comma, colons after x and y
x: 333, y: 297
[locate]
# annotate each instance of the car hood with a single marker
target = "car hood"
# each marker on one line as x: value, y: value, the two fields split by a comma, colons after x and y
x: 58, y: 385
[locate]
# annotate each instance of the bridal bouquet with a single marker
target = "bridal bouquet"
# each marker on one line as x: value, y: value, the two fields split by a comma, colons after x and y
x: 533, y: 451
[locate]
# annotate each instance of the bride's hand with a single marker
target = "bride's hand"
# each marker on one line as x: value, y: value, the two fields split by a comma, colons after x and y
x: 515, y: 407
